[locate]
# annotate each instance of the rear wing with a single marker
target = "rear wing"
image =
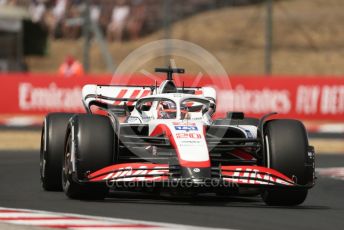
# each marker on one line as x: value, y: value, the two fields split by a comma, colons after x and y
x: 124, y: 95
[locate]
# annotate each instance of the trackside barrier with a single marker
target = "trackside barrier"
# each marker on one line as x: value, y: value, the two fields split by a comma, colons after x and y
x: 308, y: 98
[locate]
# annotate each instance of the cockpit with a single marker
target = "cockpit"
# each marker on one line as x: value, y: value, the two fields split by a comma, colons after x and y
x: 176, y: 107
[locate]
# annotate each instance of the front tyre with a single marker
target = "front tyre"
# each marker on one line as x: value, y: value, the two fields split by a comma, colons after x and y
x: 286, y: 145
x: 52, y: 149
x: 89, y: 147
x: 284, y: 197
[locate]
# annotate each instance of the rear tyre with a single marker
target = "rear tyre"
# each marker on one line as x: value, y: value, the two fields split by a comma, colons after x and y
x: 52, y: 148
x: 286, y: 146
x: 90, y: 140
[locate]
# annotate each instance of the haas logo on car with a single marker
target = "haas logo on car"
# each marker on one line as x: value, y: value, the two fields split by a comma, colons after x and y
x: 253, y: 176
x: 139, y: 174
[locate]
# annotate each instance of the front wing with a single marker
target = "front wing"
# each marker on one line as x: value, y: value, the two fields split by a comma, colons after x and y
x: 251, y: 176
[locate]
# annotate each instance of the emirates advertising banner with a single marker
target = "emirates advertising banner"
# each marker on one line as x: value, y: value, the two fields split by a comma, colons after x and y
x: 310, y: 98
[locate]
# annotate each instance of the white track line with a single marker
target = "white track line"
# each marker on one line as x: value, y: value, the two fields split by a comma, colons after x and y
x: 23, y: 215
x: 63, y: 221
x: 334, y: 172
x: 79, y: 222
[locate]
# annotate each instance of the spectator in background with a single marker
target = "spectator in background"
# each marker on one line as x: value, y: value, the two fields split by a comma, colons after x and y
x: 118, y: 21
x: 60, y: 9
x: 8, y: 2
x: 71, y: 68
x: 58, y: 14
x: 95, y: 12
x: 37, y: 10
x: 72, y: 29
x: 136, y: 19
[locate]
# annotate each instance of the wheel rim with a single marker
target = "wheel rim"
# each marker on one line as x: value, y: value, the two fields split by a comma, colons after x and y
x: 42, y: 160
x: 66, y: 161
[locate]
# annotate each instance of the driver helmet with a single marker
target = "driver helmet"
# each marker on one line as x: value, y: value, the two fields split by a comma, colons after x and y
x: 168, y: 110
x: 168, y: 105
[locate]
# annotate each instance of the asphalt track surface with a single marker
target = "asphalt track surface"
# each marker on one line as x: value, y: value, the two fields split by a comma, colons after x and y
x: 323, y: 209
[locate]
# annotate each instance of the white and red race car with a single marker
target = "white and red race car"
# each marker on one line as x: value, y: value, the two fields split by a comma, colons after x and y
x: 164, y: 138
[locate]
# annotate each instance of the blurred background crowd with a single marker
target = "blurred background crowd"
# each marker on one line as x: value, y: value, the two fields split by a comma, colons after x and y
x: 118, y: 19
x: 248, y: 37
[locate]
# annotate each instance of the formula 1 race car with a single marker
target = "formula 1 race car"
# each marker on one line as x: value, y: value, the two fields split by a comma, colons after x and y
x: 163, y: 138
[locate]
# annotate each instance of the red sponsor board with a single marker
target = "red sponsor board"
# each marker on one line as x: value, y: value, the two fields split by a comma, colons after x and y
x: 318, y: 98
x: 303, y: 97
x: 31, y: 94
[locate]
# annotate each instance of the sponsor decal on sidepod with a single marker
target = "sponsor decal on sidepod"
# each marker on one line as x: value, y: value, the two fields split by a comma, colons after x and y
x: 185, y: 128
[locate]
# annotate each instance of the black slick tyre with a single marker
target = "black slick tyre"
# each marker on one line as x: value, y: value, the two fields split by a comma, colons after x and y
x: 52, y: 149
x: 286, y: 145
x: 90, y: 140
